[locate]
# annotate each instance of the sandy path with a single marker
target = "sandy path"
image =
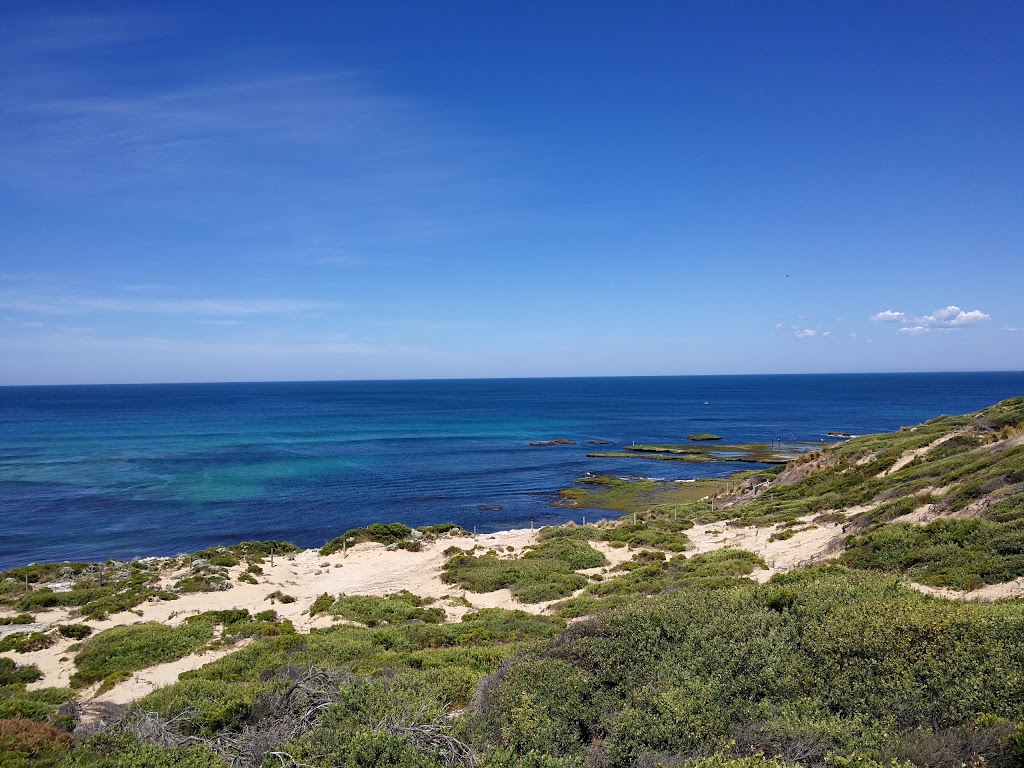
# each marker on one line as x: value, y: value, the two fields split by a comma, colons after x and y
x: 909, y: 456
x: 984, y: 594
x: 803, y: 548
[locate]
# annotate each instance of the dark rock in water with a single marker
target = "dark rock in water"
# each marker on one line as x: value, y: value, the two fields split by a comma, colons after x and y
x: 545, y: 443
x: 599, y: 442
x: 703, y: 437
x: 490, y: 507
x: 839, y: 434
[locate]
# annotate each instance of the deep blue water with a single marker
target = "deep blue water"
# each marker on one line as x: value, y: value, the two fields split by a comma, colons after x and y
x: 90, y: 472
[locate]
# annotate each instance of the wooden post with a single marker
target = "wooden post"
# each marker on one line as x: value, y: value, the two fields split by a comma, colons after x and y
x: 271, y: 557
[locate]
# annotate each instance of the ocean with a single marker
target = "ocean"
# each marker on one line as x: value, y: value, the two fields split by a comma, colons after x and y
x: 93, y: 472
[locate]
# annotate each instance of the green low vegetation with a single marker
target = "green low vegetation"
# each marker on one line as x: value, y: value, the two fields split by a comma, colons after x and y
x: 117, y: 652
x: 650, y: 573
x: 114, y: 654
x: 546, y: 571
x: 813, y: 667
x: 398, y: 608
x: 396, y: 534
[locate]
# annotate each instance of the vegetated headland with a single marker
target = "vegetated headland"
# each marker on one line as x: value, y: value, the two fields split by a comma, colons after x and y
x: 857, y: 606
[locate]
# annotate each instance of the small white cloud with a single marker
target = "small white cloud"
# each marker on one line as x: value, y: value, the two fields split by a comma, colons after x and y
x: 786, y: 327
x: 888, y: 316
x: 1012, y: 329
x: 946, y: 320
x: 952, y: 317
x: 965, y: 319
x: 806, y: 333
x: 827, y: 334
x: 941, y: 315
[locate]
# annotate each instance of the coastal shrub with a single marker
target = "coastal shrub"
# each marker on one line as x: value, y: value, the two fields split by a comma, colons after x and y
x: 204, y: 581
x: 650, y: 573
x: 115, y: 749
x: 40, y: 704
x: 958, y: 553
x: 441, y: 529
x: 443, y: 661
x: 42, y: 573
x: 31, y: 743
x: 533, y: 579
x: 838, y: 660
x: 279, y: 596
x: 126, y: 649
x: 46, y: 598
x: 580, y: 532
x: 546, y: 571
x: 21, y: 618
x: 26, y: 642
x: 74, y: 631
x: 575, y: 553
x: 378, y: 532
x: 396, y: 608
x: 254, y: 552
x: 17, y: 674
x: 656, y: 534
x: 321, y: 605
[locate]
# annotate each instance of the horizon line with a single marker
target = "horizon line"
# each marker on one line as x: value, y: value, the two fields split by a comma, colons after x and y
x: 505, y: 378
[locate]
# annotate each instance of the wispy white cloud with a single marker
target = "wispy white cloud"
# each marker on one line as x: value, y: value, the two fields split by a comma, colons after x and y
x: 787, y: 327
x: 51, y: 34
x: 421, y: 325
x: 389, y: 169
x: 1012, y: 329
x: 58, y: 304
x: 806, y: 333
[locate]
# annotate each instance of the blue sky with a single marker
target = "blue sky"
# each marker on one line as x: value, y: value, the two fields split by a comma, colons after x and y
x: 220, y: 191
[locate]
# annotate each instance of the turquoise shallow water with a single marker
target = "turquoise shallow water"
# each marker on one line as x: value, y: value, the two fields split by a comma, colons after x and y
x: 117, y: 471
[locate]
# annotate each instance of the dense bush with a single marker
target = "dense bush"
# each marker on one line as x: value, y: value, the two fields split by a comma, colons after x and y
x: 379, y: 532
x: 958, y: 553
x: 545, y: 572
x: 846, y: 663
x: 396, y: 608
x: 122, y: 650
x: 31, y: 743
x: 14, y: 674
